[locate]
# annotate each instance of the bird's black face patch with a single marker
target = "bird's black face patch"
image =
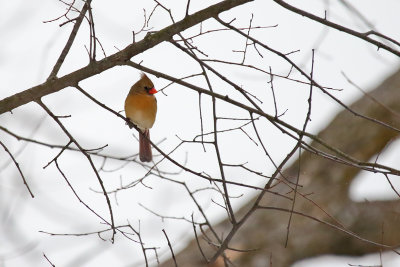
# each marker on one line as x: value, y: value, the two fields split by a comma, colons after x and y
x: 150, y: 90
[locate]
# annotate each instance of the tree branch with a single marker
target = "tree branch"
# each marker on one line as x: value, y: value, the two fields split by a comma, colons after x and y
x: 359, y: 224
x: 119, y: 58
x: 70, y: 41
x: 363, y: 36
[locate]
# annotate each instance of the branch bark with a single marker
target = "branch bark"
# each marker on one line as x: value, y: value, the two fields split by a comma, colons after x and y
x: 328, y: 183
x: 119, y: 58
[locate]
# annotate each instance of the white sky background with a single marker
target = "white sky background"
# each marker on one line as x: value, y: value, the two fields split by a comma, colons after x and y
x: 29, y: 49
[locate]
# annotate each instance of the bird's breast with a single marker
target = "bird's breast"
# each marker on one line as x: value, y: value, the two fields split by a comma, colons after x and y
x: 141, y: 110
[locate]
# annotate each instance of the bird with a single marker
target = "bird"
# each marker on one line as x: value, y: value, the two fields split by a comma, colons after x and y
x: 141, y: 109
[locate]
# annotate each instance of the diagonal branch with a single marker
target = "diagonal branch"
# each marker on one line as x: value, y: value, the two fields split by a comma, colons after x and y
x: 70, y: 41
x: 19, y: 169
x: 285, y: 57
x: 119, y: 58
x: 363, y: 36
x: 359, y: 230
x: 88, y: 158
x: 337, y: 155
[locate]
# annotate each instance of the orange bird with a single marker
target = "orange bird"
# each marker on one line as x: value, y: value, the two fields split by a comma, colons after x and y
x: 141, y: 109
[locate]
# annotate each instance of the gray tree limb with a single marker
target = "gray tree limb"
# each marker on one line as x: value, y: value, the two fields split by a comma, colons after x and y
x: 119, y: 58
x: 328, y: 183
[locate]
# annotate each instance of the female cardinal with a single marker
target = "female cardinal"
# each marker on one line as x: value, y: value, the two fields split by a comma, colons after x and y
x: 141, y: 109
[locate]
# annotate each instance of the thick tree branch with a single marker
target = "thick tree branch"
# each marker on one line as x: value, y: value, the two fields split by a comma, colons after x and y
x: 119, y: 58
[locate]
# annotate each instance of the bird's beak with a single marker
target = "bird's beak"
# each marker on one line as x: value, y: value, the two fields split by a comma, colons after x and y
x: 152, y: 91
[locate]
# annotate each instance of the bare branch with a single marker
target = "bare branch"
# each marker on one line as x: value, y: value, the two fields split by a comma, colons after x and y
x: 56, y: 119
x: 363, y: 36
x: 119, y: 58
x: 19, y: 169
x: 70, y: 41
x: 44, y: 255
x: 170, y: 247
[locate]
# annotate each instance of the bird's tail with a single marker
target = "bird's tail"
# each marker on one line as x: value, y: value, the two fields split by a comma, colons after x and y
x: 145, y: 154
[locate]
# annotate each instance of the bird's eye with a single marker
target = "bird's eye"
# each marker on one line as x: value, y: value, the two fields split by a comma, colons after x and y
x: 146, y: 88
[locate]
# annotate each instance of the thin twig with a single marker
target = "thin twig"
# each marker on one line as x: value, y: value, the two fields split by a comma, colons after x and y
x: 392, y: 248
x: 44, y: 255
x: 363, y: 36
x: 70, y: 41
x: 56, y: 119
x: 197, y: 241
x: 272, y: 90
x: 19, y: 169
x: 307, y: 119
x: 308, y: 77
x: 170, y: 247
